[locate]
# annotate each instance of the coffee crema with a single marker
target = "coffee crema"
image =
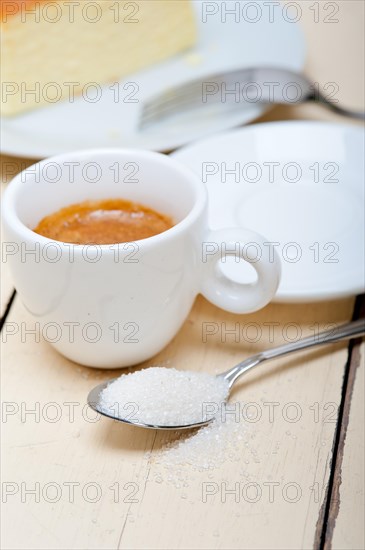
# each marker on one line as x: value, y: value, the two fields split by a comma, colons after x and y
x: 100, y: 222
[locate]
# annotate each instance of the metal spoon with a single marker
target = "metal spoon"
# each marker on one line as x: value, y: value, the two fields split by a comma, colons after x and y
x: 235, y: 89
x: 343, y: 332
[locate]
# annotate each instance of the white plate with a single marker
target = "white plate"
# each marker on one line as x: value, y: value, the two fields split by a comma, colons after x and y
x: 222, y: 46
x: 322, y: 212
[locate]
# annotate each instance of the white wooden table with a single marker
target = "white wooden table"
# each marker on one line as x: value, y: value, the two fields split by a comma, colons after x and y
x: 70, y: 482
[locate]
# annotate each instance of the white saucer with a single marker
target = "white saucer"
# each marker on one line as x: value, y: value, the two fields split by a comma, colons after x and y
x: 322, y: 212
x: 222, y: 45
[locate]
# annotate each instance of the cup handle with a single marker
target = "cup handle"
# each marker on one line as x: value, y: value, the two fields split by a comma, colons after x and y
x: 240, y: 243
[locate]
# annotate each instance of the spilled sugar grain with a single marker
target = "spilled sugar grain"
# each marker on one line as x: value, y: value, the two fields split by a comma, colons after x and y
x: 208, y: 450
x: 209, y: 447
x: 160, y: 396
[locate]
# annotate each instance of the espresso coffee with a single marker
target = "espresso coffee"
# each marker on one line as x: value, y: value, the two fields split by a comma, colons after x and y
x: 109, y: 221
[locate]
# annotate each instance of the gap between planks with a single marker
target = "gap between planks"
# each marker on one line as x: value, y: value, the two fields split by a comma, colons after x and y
x: 7, y: 310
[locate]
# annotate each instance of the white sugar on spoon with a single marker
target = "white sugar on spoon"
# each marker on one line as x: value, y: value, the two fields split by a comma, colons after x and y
x: 164, y: 396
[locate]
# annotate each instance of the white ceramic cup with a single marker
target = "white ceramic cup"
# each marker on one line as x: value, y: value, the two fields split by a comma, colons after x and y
x: 112, y: 306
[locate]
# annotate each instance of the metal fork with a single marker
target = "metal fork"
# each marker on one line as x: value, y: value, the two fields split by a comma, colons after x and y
x: 235, y: 89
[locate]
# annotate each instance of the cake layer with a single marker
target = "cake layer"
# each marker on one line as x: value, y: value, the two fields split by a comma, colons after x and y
x: 56, y: 50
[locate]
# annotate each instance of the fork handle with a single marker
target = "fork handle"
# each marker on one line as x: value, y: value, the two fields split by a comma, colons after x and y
x: 321, y: 99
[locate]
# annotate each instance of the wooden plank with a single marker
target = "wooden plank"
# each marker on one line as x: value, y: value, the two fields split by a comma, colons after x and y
x: 341, y: 523
x: 111, y: 456
x: 347, y: 513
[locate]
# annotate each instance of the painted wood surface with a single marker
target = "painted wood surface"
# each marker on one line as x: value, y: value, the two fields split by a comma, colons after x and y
x: 97, y: 484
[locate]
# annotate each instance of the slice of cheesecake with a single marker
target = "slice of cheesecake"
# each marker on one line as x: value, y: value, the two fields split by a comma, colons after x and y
x: 53, y: 51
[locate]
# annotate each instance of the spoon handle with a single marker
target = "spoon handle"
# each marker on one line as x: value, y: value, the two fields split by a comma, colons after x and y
x: 343, y: 332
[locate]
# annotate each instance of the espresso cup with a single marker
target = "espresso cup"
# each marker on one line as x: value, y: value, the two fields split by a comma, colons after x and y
x: 111, y: 306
